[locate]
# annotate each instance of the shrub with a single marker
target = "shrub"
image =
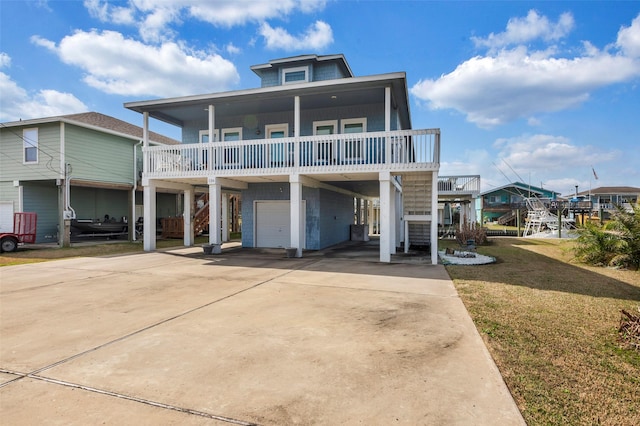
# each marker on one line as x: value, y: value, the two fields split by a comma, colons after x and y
x: 615, y: 244
x: 471, y: 232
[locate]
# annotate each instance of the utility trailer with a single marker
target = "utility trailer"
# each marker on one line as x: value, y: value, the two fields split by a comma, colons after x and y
x: 24, y: 232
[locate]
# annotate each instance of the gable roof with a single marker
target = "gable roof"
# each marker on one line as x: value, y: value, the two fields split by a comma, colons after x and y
x: 612, y: 190
x: 521, y: 187
x: 338, y: 58
x: 100, y: 122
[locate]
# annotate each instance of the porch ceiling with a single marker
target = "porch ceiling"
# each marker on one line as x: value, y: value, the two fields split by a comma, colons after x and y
x: 315, y: 95
x: 366, y: 184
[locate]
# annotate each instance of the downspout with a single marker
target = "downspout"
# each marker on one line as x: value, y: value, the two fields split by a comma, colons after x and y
x: 67, y: 196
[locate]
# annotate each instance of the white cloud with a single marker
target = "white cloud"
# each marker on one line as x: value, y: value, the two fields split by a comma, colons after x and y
x: 515, y: 83
x: 154, y: 17
x: 629, y: 39
x: 548, y: 153
x: 16, y: 103
x: 5, y: 60
x: 317, y: 37
x: 117, y: 65
x: 232, y: 49
x: 532, y: 27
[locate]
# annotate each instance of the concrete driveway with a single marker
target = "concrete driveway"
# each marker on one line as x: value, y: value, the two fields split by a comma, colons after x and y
x: 245, y: 337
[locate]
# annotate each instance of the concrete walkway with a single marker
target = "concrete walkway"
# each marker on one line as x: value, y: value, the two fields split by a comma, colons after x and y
x: 244, y: 337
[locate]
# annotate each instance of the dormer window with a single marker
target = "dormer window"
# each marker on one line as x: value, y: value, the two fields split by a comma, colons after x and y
x: 295, y: 75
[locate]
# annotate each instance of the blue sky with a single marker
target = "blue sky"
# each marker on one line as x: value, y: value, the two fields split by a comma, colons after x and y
x: 543, y: 92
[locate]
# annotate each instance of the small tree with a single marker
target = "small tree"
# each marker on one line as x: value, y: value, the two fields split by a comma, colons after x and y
x: 615, y: 244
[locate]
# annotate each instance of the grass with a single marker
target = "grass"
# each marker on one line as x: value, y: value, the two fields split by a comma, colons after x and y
x: 34, y: 255
x: 551, y: 327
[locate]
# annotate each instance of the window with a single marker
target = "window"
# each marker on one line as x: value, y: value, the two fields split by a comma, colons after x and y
x: 231, y: 156
x: 203, y: 137
x: 280, y: 154
x: 295, y: 75
x: 354, y: 148
x: 30, y: 145
x: 323, y: 149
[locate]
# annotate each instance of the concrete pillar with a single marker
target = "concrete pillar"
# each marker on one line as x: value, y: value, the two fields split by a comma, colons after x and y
x: 367, y: 216
x: 149, y: 216
x: 215, y: 216
x: 386, y: 225
x: 187, y: 215
x: 358, y: 211
x: 297, y: 233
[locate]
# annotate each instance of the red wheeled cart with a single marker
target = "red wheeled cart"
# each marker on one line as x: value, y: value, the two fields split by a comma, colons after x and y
x: 24, y: 231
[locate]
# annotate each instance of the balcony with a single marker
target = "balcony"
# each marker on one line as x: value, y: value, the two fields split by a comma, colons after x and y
x: 459, y: 185
x: 395, y: 151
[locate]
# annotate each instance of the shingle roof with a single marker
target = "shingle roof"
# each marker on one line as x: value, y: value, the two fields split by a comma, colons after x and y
x: 612, y: 190
x: 110, y: 123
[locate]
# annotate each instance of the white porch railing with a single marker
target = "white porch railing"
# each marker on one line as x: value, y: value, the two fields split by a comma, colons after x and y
x: 451, y: 185
x: 402, y: 150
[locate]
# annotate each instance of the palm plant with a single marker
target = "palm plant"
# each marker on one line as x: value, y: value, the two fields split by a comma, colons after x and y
x: 615, y: 244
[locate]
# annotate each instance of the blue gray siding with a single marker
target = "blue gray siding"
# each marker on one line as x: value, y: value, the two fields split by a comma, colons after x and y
x: 328, y: 214
x: 336, y: 216
x: 373, y: 113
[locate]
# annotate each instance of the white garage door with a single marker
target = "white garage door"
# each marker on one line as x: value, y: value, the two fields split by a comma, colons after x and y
x: 273, y: 227
x: 6, y: 216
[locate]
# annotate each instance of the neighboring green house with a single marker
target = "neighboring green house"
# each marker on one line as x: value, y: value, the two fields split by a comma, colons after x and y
x: 88, y: 164
x: 501, y: 204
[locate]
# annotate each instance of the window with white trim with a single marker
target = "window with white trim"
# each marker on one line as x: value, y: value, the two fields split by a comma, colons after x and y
x: 324, y: 149
x: 295, y: 75
x: 203, y: 137
x: 30, y: 145
x: 231, y: 156
x: 353, y: 148
x: 280, y: 154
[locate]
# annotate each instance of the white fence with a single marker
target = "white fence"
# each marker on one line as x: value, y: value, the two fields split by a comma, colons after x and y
x: 397, y: 150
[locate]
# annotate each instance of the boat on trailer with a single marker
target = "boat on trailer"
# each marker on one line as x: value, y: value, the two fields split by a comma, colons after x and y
x: 94, y: 227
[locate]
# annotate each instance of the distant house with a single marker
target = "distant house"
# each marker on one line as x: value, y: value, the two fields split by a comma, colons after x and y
x: 501, y: 204
x: 311, y: 152
x: 605, y: 198
x: 86, y: 163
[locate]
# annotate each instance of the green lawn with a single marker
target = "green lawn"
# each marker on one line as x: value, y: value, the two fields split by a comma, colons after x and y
x: 551, y: 326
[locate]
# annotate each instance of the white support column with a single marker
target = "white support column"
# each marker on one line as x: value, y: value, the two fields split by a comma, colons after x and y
x: 393, y: 218
x: 296, y: 131
x: 434, y: 218
x: 370, y: 217
x: 212, y: 128
x: 145, y: 140
x: 225, y: 217
x: 358, y: 211
x: 385, y: 222
x: 472, y: 211
x: 149, y: 217
x: 365, y: 212
x: 295, y: 195
x: 187, y: 215
x: 387, y: 109
x: 215, y: 217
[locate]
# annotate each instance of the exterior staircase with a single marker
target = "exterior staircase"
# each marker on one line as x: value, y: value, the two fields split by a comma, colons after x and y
x: 173, y: 227
x: 416, y: 194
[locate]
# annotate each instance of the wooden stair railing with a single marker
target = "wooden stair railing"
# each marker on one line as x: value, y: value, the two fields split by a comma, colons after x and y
x: 173, y: 227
